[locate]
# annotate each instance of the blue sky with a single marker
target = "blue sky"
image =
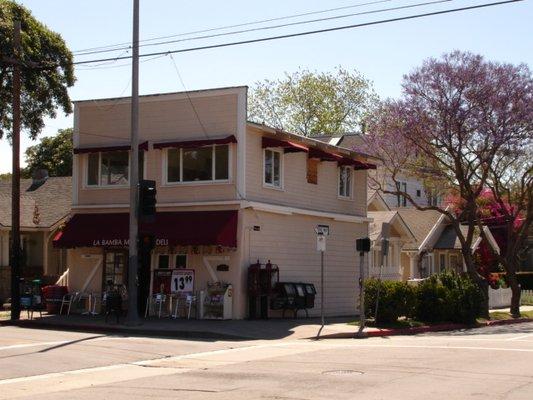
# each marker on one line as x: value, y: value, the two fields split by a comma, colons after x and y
x: 383, y: 53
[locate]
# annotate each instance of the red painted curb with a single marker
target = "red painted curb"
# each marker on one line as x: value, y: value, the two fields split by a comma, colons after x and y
x: 426, y: 328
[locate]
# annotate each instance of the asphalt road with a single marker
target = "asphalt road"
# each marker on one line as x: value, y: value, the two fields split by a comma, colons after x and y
x: 487, y: 363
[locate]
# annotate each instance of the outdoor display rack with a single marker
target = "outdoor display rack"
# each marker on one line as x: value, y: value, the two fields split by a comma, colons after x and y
x: 216, y: 302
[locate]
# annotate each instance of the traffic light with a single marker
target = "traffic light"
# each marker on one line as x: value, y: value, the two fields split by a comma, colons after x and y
x: 147, y: 200
x: 146, y: 243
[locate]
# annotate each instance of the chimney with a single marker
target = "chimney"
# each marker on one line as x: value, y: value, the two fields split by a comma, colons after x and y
x: 38, y: 178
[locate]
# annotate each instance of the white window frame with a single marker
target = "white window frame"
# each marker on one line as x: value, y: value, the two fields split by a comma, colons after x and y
x: 213, y: 168
x: 99, y: 185
x: 339, y: 171
x: 281, y: 174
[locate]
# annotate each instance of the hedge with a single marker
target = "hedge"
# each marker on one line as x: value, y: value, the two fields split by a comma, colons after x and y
x: 447, y: 297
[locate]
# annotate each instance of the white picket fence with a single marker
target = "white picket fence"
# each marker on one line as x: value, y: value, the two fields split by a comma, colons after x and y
x: 526, y: 297
x: 500, y: 298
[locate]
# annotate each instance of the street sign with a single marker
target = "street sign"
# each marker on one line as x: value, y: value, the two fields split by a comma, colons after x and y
x: 320, y: 242
x: 322, y: 230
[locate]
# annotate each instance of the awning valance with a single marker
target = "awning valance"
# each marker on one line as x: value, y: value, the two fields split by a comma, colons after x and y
x: 126, y: 147
x: 287, y: 145
x: 194, y: 228
x: 324, y: 155
x: 357, y: 165
x: 187, y: 144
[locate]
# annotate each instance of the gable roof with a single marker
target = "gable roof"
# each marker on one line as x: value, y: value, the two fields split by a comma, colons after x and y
x: 389, y: 217
x: 420, y: 223
x: 42, y: 207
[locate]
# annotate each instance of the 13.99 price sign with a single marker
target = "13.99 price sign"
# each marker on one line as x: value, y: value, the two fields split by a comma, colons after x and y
x: 182, y: 281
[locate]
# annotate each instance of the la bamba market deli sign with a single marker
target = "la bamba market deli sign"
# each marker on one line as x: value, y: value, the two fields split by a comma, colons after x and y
x: 123, y: 242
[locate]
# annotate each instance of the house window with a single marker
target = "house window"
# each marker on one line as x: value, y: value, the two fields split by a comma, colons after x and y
x: 272, y: 168
x: 418, y: 193
x: 401, y: 187
x: 181, y: 261
x: 345, y: 181
x: 108, y: 168
x: 442, y: 262
x: 202, y: 164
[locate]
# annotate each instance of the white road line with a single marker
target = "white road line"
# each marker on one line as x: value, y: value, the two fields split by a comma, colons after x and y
x: 520, y: 337
x: 38, y: 344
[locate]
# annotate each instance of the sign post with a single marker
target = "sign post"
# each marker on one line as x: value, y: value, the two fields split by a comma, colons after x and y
x: 362, y: 246
x: 322, y: 231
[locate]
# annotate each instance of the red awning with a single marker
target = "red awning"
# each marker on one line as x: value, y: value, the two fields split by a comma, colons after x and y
x: 126, y: 147
x: 288, y: 146
x: 195, y: 228
x: 188, y: 144
x: 357, y: 165
x: 324, y: 155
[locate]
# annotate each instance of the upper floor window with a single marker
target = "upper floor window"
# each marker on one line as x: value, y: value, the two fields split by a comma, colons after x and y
x: 401, y: 187
x: 345, y: 181
x: 272, y: 168
x: 108, y: 168
x: 202, y: 164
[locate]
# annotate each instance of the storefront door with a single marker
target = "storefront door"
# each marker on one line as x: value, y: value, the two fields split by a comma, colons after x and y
x: 115, y: 267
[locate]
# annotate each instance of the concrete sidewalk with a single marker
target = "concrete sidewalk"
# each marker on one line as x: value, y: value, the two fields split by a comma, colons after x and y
x: 272, y: 329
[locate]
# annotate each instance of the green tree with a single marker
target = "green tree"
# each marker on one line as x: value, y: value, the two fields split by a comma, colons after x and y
x: 311, y: 103
x: 47, y: 70
x: 53, y: 154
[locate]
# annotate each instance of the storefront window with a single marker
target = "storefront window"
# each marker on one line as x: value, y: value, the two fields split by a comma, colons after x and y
x: 163, y: 261
x: 115, y: 268
x: 108, y: 168
x: 181, y: 261
x: 203, y: 164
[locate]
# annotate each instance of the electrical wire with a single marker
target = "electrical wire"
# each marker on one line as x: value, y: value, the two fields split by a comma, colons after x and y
x: 238, y: 25
x: 306, y: 33
x: 264, y: 28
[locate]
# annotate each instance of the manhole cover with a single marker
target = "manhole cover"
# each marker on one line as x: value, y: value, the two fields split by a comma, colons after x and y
x: 343, y: 372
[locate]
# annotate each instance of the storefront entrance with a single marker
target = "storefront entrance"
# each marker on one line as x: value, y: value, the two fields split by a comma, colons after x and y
x: 115, y: 267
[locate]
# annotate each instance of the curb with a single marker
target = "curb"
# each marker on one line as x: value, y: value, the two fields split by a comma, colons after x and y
x: 121, y: 329
x: 425, y: 329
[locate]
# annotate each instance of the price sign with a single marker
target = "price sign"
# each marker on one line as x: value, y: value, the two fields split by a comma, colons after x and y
x: 182, y: 281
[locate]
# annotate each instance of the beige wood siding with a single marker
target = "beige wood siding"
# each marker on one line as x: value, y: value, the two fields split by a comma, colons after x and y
x: 162, y: 118
x: 297, y: 192
x: 290, y: 242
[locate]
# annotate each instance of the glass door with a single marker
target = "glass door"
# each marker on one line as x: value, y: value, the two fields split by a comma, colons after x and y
x: 115, y: 267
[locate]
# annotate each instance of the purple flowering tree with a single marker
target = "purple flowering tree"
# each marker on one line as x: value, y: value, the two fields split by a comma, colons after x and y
x: 463, y: 124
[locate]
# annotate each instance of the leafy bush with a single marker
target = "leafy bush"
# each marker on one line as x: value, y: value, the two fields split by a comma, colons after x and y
x: 396, y: 299
x: 448, y: 297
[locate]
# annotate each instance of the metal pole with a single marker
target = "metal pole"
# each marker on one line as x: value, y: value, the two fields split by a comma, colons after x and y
x: 362, y: 317
x: 379, y: 287
x: 321, y: 293
x: 15, y: 179
x: 322, y: 288
x: 133, y: 264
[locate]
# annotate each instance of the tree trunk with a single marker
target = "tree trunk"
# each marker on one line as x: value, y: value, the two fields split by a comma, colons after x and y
x: 484, y: 287
x: 515, y: 298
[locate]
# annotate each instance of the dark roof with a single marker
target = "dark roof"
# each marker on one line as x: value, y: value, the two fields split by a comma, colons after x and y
x: 41, y: 206
x: 448, y: 238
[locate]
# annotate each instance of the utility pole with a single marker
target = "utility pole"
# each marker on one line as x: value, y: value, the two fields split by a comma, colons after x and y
x: 15, y: 179
x: 132, y: 317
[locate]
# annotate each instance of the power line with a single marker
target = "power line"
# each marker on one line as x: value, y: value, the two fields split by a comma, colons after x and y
x: 239, y: 25
x: 298, y: 34
x: 263, y: 28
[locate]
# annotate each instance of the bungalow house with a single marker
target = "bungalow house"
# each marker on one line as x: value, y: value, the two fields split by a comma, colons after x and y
x: 230, y: 193
x: 44, y: 206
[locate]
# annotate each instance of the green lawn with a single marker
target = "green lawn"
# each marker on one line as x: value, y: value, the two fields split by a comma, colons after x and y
x: 501, y: 315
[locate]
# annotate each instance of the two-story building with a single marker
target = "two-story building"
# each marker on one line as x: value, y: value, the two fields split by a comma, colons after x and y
x: 229, y: 193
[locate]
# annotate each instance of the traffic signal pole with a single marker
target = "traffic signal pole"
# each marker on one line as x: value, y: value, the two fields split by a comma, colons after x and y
x: 132, y: 317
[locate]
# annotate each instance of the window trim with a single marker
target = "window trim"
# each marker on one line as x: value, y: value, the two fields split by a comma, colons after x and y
x: 350, y: 195
x: 99, y: 186
x: 166, y: 182
x: 281, y: 169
